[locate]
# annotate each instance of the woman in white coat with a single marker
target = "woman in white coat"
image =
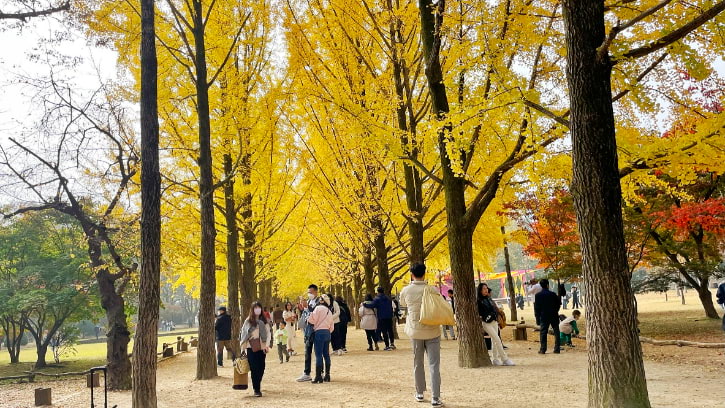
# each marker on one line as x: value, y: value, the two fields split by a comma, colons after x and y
x: 290, y: 317
x: 369, y: 323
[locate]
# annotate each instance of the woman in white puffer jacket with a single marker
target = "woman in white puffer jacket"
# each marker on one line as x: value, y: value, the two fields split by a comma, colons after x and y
x: 369, y: 323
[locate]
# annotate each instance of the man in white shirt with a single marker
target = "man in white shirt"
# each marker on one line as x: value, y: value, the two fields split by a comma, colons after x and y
x: 425, y: 338
x: 534, y: 288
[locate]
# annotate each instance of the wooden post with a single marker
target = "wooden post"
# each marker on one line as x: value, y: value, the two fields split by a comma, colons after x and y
x: 184, y: 346
x: 93, y: 380
x: 42, y: 397
x: 520, y: 331
x: 168, y: 351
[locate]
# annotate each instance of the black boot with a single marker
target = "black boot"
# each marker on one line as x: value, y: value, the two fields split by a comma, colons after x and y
x: 318, y: 376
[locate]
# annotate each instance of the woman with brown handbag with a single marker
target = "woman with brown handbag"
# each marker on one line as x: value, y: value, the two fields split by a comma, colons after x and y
x: 254, y: 339
x: 488, y: 311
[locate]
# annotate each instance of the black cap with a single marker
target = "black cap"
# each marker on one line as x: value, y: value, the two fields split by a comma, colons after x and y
x: 222, y: 308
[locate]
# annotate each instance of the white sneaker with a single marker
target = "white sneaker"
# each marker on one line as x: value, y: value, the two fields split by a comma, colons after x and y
x: 419, y: 397
x: 436, y: 402
x: 304, y: 377
x: 508, y: 362
x: 496, y: 362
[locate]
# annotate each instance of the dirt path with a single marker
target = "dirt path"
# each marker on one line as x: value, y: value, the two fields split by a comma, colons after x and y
x: 383, y: 379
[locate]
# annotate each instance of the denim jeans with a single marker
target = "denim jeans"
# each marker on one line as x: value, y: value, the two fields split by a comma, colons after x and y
x: 322, y: 347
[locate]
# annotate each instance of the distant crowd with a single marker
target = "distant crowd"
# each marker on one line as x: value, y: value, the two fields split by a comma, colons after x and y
x: 323, y: 319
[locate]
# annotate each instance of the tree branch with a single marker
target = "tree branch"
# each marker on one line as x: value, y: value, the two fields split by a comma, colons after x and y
x: 23, y: 16
x: 675, y: 35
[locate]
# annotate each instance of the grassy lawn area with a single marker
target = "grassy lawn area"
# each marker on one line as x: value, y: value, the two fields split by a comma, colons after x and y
x: 88, y: 354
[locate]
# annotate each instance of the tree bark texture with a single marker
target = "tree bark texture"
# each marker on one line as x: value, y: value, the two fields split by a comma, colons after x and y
x: 616, y: 370
x: 369, y: 271
x: 14, y: 331
x: 407, y: 125
x: 146, y: 341
x: 249, y: 263
x: 509, y: 279
x: 703, y: 292
x: 206, y: 364
x: 381, y: 256
x: 233, y: 267
x: 460, y: 234
x: 118, y: 336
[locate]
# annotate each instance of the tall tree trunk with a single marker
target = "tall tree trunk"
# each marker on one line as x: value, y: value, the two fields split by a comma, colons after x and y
x: 509, y: 279
x: 413, y: 183
x: 146, y: 341
x: 460, y: 235
x: 369, y: 271
x: 616, y: 370
x: 14, y: 332
x: 233, y: 269
x: 117, y: 338
x: 414, y: 202
x: 703, y: 292
x: 41, y: 349
x: 249, y: 271
x: 356, y: 298
x: 206, y: 366
x: 381, y: 256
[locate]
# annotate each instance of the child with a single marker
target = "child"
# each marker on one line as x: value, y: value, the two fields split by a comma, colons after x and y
x: 567, y: 327
x: 281, y: 338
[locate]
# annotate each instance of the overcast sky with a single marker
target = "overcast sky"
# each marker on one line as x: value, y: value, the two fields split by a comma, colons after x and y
x: 25, y: 50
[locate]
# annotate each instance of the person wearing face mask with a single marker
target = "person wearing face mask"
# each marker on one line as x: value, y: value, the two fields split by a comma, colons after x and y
x: 254, y: 339
x: 324, y: 324
x: 308, y: 330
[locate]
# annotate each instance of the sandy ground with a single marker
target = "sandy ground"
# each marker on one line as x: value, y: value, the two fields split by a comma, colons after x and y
x: 361, y: 378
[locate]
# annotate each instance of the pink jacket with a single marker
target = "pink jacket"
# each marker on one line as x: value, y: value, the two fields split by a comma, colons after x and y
x: 322, y: 318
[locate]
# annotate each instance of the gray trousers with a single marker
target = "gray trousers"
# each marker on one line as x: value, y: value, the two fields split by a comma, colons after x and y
x: 432, y: 347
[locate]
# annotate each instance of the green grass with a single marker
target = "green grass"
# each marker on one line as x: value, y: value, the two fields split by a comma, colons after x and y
x: 682, y: 325
x: 88, y: 354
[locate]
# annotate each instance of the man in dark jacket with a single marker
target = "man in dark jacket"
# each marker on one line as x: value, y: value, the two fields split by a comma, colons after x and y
x: 223, y: 329
x: 546, y: 309
x: 384, y: 310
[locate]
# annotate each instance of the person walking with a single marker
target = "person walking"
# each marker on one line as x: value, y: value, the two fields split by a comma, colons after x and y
x: 308, y: 329
x: 345, y: 318
x: 533, y: 289
x: 425, y: 339
x: 335, y: 335
x: 369, y: 323
x: 281, y: 339
x: 323, y: 321
x: 254, y: 337
x: 223, y: 331
x: 290, y: 318
x: 546, y: 309
x: 575, y: 297
x: 384, y: 308
x: 488, y: 311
